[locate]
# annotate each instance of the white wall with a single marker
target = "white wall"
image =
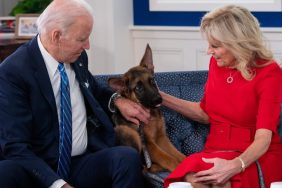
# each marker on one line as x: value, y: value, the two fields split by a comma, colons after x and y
x: 111, y: 42
x: 6, y: 6
x: 117, y: 45
x: 183, y: 48
x: 207, y: 5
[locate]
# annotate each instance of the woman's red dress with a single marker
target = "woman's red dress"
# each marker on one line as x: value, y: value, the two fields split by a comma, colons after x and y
x: 236, y: 110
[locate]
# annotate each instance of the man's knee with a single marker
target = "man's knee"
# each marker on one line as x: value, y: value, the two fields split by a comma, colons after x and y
x: 127, y: 155
x: 126, y: 159
x: 11, y: 174
x: 127, y: 163
x: 9, y: 168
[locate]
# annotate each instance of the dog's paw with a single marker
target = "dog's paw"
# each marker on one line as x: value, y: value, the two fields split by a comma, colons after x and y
x: 155, y: 168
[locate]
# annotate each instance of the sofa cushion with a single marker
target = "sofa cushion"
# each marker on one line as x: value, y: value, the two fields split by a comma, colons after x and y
x: 188, y: 136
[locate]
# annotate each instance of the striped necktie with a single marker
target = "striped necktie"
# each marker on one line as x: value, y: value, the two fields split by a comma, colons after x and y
x: 65, y: 145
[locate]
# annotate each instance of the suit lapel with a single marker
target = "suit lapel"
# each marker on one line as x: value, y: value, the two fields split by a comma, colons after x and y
x: 106, y: 133
x: 81, y: 74
x: 41, y: 74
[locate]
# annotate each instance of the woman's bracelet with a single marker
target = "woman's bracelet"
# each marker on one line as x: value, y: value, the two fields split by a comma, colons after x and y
x: 243, y: 166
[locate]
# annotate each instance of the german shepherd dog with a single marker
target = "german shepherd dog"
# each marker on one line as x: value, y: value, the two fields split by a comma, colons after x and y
x: 138, y: 85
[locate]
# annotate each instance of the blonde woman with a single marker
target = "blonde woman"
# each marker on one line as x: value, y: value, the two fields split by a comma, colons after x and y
x: 241, y: 104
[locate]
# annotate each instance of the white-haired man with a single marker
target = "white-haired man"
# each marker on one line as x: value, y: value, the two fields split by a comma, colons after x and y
x: 45, y: 143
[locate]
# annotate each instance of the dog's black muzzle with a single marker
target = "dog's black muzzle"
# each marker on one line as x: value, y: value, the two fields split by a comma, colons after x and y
x: 152, y: 101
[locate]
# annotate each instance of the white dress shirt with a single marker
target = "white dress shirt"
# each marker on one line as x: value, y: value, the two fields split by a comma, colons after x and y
x: 79, y: 131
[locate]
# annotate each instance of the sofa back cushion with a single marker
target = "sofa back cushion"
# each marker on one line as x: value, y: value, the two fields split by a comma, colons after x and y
x: 188, y: 136
x: 184, y: 133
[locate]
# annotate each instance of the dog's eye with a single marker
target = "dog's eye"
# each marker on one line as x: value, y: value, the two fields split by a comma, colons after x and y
x: 139, y: 87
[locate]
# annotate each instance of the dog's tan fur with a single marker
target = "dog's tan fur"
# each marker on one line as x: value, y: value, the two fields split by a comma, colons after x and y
x: 162, y: 152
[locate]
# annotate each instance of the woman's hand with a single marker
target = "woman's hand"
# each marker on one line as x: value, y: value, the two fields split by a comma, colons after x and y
x: 220, y: 173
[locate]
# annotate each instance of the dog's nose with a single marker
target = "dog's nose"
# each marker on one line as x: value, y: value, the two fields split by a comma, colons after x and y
x: 157, y: 100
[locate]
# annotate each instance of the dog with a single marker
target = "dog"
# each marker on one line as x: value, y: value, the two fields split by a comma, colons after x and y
x: 138, y: 85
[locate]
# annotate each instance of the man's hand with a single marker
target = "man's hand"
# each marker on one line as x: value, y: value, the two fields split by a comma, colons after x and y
x: 132, y: 111
x: 67, y: 186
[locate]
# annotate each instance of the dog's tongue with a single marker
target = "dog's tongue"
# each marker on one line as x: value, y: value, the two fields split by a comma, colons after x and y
x: 158, y: 105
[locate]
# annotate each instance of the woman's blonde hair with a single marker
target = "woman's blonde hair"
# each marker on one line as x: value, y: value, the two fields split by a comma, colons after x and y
x: 239, y: 32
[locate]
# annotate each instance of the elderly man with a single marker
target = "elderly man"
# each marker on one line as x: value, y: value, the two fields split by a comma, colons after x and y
x: 55, y: 129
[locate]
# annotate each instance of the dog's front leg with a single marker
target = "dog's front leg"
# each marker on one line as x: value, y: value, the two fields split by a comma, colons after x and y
x: 160, y: 157
x: 164, y: 142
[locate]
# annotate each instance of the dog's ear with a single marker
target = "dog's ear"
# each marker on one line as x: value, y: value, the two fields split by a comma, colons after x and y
x: 116, y: 83
x: 147, y: 60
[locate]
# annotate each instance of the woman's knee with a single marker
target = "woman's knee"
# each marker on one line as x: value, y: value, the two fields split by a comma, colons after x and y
x: 190, y: 178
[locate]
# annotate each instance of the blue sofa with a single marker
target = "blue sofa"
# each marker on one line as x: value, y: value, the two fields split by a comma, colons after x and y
x: 184, y: 133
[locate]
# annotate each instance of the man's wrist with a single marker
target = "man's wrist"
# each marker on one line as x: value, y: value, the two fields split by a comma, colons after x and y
x: 58, y: 183
x: 111, y: 104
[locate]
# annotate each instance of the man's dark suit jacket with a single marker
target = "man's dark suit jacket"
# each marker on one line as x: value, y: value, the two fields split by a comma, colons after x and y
x: 29, y: 126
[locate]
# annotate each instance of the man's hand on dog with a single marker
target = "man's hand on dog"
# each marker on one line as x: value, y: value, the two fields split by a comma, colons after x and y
x: 132, y: 111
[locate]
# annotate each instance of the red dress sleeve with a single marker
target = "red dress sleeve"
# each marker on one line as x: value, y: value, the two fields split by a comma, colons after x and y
x: 269, y: 89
